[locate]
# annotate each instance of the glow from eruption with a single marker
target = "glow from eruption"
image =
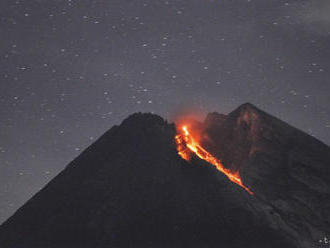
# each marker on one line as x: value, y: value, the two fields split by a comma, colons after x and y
x: 186, y: 145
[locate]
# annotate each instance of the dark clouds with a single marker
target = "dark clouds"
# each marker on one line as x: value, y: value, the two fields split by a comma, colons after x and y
x: 313, y: 15
x: 72, y: 69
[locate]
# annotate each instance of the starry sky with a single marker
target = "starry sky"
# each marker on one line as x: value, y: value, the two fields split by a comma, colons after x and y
x: 71, y: 69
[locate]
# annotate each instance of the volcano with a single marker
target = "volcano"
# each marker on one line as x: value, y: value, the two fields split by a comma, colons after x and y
x: 150, y: 183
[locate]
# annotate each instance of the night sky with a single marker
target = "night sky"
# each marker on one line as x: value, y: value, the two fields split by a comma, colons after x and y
x: 72, y: 69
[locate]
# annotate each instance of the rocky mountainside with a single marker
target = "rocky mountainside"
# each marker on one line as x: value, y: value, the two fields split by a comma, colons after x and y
x: 287, y: 169
x: 132, y: 189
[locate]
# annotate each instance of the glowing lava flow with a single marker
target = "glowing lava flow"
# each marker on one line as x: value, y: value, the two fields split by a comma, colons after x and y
x: 187, y: 144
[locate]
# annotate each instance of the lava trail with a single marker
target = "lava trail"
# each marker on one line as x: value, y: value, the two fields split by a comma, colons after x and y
x: 186, y: 145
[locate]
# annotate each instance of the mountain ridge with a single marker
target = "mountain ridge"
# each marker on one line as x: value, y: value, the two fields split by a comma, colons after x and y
x: 130, y: 188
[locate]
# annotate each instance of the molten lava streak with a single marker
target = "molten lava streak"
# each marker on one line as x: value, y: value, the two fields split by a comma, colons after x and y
x: 186, y: 145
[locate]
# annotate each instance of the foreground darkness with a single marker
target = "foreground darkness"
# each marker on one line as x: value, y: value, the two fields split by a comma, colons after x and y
x: 132, y: 189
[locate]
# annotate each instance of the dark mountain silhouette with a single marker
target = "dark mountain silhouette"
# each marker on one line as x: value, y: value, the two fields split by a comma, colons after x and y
x: 131, y: 189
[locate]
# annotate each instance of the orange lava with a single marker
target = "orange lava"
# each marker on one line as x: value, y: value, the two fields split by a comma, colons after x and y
x: 186, y: 145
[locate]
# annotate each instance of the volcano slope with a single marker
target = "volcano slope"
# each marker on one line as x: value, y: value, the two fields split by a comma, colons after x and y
x: 132, y: 189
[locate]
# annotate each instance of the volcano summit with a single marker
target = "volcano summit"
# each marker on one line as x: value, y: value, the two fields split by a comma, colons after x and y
x: 246, y: 179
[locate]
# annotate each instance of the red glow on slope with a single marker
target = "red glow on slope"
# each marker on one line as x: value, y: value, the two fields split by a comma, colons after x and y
x: 186, y: 145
